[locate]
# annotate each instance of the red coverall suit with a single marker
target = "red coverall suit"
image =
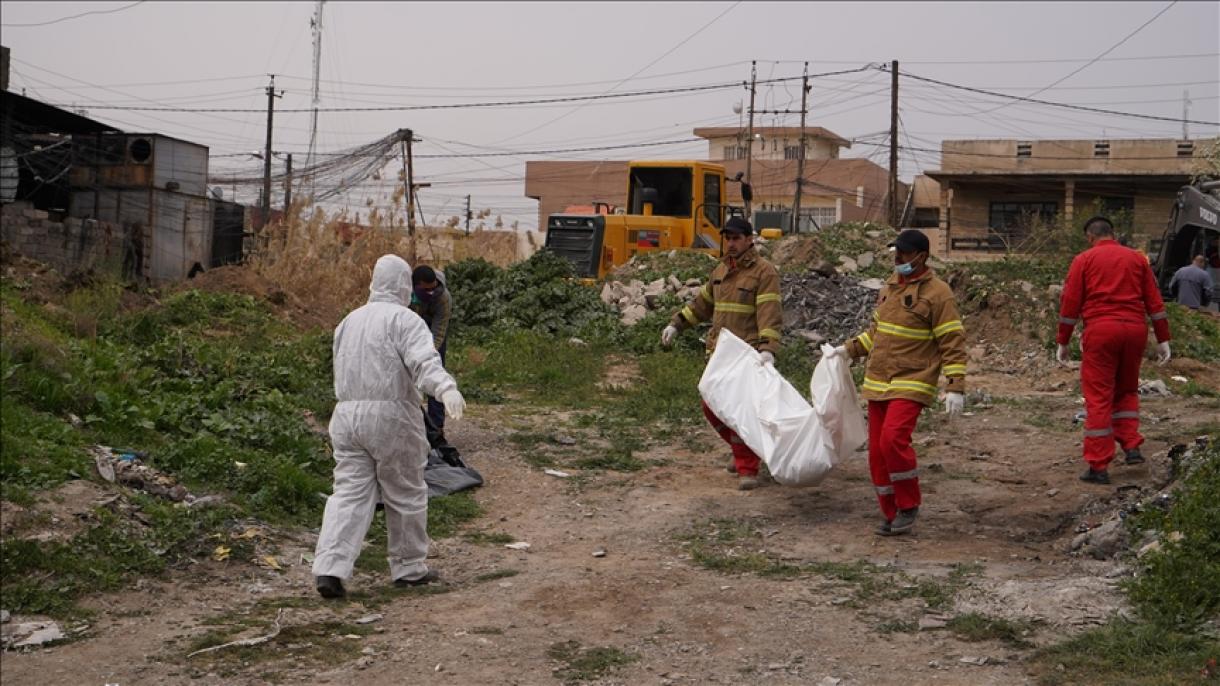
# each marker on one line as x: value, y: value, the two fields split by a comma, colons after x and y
x: 1111, y: 287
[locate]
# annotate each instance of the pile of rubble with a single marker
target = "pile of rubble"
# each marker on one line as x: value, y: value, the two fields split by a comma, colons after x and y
x: 825, y: 306
x: 634, y: 299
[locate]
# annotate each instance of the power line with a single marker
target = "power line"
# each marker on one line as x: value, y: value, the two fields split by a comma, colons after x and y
x: 684, y: 41
x: 74, y: 16
x: 1093, y: 61
x: 1022, y: 98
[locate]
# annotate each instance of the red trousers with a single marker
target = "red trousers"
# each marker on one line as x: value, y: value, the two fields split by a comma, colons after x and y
x: 891, y: 460
x: 1110, y: 379
x: 744, y: 458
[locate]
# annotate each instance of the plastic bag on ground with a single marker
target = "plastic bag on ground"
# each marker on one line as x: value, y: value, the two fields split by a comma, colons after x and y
x: 798, y: 443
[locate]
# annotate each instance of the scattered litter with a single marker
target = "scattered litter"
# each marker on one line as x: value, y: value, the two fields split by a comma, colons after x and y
x: 271, y: 562
x: 830, y: 681
x: 31, y: 634
x: 221, y: 553
x: 126, y: 467
x: 1052, y: 493
x: 519, y: 545
x: 240, y: 465
x: 352, y: 637
x: 306, y: 558
x: 5, y: 617
x: 369, y: 650
x: 1154, y: 387
x: 275, y: 631
x: 369, y: 619
x: 970, y: 660
x: 206, y: 501
x: 577, y: 342
x: 1079, y: 416
x: 825, y: 308
x: 556, y: 473
x: 1180, y: 379
x: 439, y: 667
x: 562, y: 439
x: 599, y: 553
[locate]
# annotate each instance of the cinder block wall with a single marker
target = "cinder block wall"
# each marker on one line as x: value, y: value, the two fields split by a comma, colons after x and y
x: 73, y: 244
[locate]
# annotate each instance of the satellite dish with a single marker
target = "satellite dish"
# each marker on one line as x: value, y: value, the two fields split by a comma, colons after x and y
x: 737, y: 107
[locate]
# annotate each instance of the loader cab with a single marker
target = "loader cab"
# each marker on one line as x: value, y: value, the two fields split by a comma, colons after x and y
x: 1194, y: 223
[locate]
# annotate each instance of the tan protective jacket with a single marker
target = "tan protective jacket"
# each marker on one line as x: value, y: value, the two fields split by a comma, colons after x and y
x: 742, y: 296
x: 916, y: 334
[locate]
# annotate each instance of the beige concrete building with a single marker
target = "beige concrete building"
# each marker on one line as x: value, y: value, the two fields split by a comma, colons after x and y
x: 835, y: 189
x: 998, y: 194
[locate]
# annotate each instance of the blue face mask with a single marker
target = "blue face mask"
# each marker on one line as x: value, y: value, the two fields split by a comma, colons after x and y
x: 905, y: 269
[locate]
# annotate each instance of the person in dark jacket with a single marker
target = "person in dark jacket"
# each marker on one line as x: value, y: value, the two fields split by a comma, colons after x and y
x: 430, y: 299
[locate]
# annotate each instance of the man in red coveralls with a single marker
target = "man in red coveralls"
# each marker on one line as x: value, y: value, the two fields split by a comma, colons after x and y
x: 1111, y: 288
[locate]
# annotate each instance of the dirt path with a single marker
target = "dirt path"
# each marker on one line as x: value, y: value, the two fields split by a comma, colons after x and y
x: 1001, y: 504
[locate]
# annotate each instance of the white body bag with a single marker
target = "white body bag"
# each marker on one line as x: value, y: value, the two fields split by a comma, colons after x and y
x: 799, y: 442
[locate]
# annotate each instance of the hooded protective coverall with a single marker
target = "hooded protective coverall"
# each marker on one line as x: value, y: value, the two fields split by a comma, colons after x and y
x: 384, y: 357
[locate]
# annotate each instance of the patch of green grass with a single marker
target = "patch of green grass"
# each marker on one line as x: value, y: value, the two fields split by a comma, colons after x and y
x: 50, y: 577
x: 1124, y: 653
x: 580, y: 664
x: 974, y: 626
x: 487, y: 537
x: 1195, y: 335
x: 447, y: 513
x: 315, y: 645
x: 37, y: 451
x: 532, y: 364
x: 720, y: 545
x: 497, y: 574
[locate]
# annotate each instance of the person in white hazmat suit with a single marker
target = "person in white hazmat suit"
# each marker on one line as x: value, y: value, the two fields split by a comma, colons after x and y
x: 384, y: 358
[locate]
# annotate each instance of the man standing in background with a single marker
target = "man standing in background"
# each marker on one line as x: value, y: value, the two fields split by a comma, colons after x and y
x: 430, y: 299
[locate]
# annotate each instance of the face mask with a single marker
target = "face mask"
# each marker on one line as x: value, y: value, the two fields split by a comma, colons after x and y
x: 905, y: 269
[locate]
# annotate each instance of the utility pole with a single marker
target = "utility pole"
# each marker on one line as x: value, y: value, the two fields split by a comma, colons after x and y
x: 316, y: 24
x: 467, y: 215
x: 266, y: 209
x: 893, y: 204
x: 750, y: 132
x: 1185, y: 115
x: 404, y: 141
x: 288, y: 187
x: 800, y: 154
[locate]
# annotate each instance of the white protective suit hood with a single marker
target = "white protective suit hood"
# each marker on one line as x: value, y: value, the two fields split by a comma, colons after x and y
x: 391, y: 281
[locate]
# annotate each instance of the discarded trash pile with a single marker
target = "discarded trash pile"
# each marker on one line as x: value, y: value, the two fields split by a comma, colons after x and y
x: 826, y: 308
x: 127, y: 468
x: 635, y: 298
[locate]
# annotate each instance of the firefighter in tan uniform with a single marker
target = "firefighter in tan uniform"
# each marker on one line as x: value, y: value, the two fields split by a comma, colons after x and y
x: 916, y: 335
x: 742, y: 296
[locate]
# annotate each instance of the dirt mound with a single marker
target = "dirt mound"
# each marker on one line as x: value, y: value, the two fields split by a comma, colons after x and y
x: 795, y: 252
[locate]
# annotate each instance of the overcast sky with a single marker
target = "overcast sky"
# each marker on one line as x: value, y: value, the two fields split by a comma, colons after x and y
x: 197, y: 54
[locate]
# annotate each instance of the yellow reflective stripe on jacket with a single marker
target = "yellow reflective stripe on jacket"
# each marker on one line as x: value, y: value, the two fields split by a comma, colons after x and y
x: 947, y: 327
x: 706, y: 293
x: 689, y: 315
x: 725, y: 306
x: 766, y: 298
x: 899, y: 385
x: 904, y: 331
x: 769, y: 333
x: 954, y: 370
x: 866, y: 341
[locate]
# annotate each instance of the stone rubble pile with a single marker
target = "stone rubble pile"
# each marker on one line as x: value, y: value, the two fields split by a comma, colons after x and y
x: 635, y: 299
x: 826, y: 308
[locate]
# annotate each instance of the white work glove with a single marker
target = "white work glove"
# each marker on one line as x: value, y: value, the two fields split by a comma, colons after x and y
x: 1162, y: 352
x: 1062, y: 355
x: 954, y: 402
x: 454, y: 403
x: 767, y: 358
x: 667, y: 336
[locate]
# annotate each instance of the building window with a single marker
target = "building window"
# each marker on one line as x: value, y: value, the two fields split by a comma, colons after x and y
x: 792, y: 152
x: 1186, y: 149
x: 734, y: 152
x: 814, y: 218
x: 1025, y: 149
x: 1019, y: 219
x: 1101, y: 149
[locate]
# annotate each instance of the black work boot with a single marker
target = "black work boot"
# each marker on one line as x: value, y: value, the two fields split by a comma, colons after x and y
x: 1095, y: 477
x: 904, y: 522
x: 330, y: 587
x: 883, y: 529
x: 428, y: 577
x: 1134, y: 456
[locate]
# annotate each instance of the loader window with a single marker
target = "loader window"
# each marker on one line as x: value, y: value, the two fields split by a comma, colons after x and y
x: 711, y: 198
x: 673, y: 187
